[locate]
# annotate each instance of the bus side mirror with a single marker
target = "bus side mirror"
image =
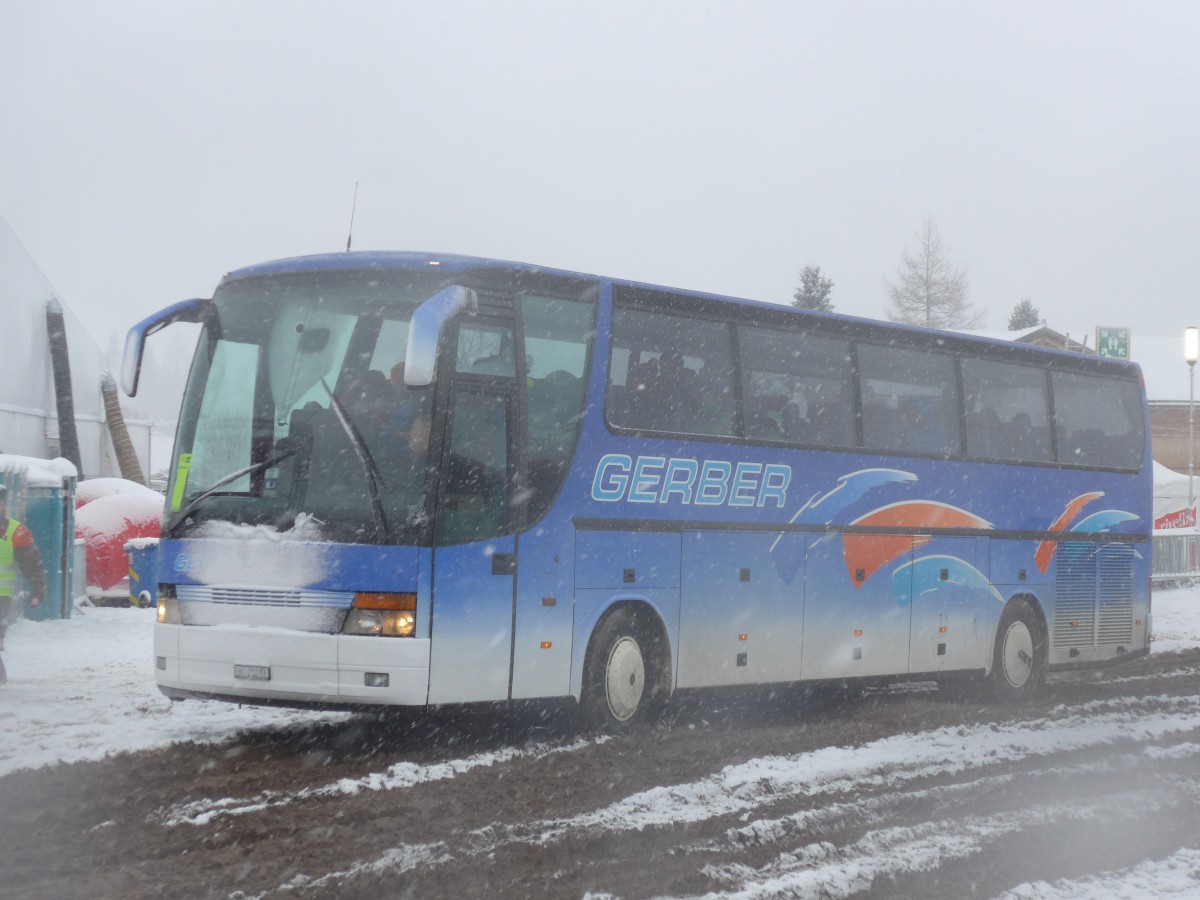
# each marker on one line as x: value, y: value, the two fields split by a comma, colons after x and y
x: 426, y: 329
x: 196, y: 310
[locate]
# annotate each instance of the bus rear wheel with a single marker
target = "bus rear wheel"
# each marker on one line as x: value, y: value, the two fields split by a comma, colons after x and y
x: 624, y: 677
x: 1019, y: 659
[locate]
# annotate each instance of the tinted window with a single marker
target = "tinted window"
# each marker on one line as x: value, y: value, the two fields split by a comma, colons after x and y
x: 1098, y: 421
x: 909, y: 400
x: 557, y: 336
x: 796, y: 387
x: 485, y: 349
x: 1006, y: 411
x: 670, y: 373
x: 475, y: 503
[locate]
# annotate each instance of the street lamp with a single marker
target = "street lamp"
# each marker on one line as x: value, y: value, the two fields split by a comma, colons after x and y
x: 1191, y: 352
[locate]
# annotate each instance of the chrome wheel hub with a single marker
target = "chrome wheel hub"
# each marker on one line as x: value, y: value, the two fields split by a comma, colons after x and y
x: 1017, y: 654
x: 624, y: 679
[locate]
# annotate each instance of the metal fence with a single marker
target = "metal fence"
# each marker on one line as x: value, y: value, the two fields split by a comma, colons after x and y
x: 1176, y: 557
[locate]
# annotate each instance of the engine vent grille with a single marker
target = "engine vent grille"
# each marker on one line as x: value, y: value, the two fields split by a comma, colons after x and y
x: 1094, y: 595
x: 1116, y: 594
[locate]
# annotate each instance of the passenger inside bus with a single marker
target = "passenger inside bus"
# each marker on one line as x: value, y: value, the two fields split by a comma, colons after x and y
x: 662, y: 393
x: 393, y: 425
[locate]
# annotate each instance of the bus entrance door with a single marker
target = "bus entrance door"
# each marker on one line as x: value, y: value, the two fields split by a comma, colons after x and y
x: 472, y: 621
x: 475, y: 557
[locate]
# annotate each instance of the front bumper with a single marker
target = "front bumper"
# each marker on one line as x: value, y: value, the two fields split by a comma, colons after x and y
x: 304, y: 668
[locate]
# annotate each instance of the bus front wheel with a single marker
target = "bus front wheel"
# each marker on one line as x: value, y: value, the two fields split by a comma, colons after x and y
x: 624, y: 678
x: 1019, y: 660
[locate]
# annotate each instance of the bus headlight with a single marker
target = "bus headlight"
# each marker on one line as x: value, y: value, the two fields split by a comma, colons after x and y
x: 363, y: 621
x: 388, y: 615
x: 167, y: 606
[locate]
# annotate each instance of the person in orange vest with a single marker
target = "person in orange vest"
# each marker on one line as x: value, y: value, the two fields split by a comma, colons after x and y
x: 17, y: 551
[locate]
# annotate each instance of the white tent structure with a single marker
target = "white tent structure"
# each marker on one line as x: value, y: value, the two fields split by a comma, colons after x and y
x: 1171, y: 495
x: 29, y: 424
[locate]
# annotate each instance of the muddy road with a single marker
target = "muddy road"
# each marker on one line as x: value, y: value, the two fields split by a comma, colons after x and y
x: 895, y: 792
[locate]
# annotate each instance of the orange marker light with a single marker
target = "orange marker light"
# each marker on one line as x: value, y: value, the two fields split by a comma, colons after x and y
x: 366, y: 600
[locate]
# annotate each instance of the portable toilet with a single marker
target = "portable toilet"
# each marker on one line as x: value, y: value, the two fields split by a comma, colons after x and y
x: 41, y: 495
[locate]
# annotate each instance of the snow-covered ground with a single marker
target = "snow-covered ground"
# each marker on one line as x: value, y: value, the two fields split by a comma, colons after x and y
x: 1176, y: 619
x: 83, y: 688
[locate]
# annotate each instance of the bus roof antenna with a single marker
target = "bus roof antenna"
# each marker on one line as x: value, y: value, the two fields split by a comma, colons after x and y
x: 353, y: 205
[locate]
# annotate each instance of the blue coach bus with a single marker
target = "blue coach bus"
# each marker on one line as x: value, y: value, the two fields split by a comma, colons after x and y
x: 408, y: 479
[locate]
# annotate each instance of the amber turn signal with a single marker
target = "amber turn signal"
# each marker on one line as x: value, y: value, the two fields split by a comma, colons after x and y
x: 367, y: 600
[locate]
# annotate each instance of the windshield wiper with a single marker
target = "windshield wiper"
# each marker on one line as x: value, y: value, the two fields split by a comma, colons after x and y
x: 364, y: 457
x: 232, y: 476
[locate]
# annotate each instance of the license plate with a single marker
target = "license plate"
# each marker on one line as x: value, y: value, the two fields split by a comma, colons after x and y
x: 252, y: 673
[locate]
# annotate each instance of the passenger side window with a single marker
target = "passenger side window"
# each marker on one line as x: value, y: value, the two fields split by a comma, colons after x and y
x: 1006, y: 408
x: 796, y: 387
x: 485, y: 349
x: 558, y: 334
x: 670, y: 373
x: 909, y: 400
x: 475, y: 496
x: 1098, y: 421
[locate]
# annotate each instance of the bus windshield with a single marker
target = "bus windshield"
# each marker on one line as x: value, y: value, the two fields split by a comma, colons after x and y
x: 296, y: 411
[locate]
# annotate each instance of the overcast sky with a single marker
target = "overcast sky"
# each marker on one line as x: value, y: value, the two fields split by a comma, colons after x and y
x: 148, y: 147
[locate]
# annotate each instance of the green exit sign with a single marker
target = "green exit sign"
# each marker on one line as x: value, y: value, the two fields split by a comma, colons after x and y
x: 1113, y: 342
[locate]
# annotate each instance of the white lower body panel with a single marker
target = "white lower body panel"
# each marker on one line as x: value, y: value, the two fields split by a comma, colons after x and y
x: 291, y: 665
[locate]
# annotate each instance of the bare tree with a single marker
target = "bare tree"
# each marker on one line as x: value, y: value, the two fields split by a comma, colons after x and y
x: 927, y: 290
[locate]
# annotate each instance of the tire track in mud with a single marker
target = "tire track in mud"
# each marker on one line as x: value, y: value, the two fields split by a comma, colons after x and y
x: 397, y: 776
x: 776, y: 793
x: 876, y: 848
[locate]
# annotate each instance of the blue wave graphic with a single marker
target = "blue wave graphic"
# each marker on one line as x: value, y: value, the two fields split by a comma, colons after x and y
x: 1103, y: 520
x: 927, y: 577
x: 850, y: 488
x: 787, y: 552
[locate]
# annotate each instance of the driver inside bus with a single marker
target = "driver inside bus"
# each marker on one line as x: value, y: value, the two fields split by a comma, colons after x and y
x: 405, y: 452
x: 412, y: 422
x: 411, y: 418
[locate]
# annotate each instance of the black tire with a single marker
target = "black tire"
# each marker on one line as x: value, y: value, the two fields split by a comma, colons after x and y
x: 1019, y: 659
x: 625, y: 681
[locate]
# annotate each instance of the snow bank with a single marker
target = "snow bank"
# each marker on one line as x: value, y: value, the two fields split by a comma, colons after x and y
x: 1175, y: 619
